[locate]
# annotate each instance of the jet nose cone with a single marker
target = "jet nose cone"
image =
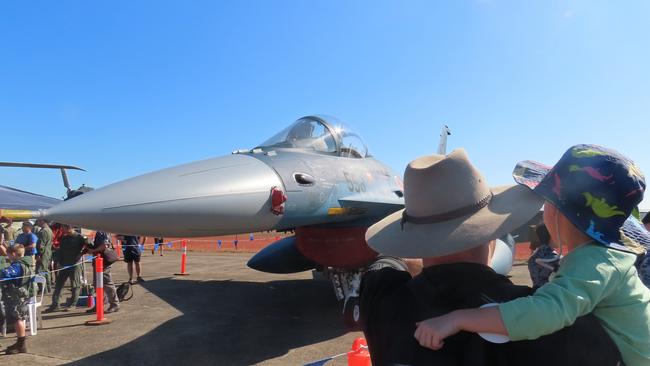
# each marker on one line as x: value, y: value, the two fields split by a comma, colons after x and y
x: 217, y: 196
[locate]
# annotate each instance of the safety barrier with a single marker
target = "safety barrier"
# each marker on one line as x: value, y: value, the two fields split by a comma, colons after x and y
x: 183, y: 260
x: 99, y: 293
x: 357, y: 356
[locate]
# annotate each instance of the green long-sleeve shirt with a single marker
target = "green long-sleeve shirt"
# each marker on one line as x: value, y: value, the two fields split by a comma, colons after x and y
x: 594, y: 279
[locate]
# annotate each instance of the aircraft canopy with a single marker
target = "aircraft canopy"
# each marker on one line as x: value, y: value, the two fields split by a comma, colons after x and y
x: 320, y: 134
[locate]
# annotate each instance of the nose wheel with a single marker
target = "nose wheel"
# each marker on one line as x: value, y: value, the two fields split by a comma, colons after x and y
x: 351, y: 314
x: 346, y: 287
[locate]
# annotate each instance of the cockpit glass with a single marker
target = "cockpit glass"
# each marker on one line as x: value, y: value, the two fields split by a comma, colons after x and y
x: 320, y: 134
x: 306, y: 133
x: 352, y: 146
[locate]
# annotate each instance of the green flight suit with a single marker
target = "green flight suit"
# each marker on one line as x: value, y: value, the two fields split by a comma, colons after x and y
x: 9, y: 233
x: 16, y: 297
x: 44, y: 258
x: 69, y: 254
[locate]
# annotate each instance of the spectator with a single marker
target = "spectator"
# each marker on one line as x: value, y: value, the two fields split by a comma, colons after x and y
x: 29, y: 240
x: 100, y: 246
x: 158, y: 242
x: 69, y: 254
x: 44, y: 249
x: 17, y: 290
x: 3, y: 265
x: 544, y: 260
x: 131, y: 251
x: 646, y: 221
x: 589, y: 194
x: 451, y: 233
x: 8, y: 232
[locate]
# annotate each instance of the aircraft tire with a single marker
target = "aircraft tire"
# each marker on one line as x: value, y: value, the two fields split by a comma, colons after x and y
x: 351, y: 314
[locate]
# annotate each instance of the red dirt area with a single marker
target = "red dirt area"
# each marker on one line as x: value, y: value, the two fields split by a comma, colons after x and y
x: 252, y: 243
x: 242, y: 243
x: 522, y: 251
x: 260, y: 241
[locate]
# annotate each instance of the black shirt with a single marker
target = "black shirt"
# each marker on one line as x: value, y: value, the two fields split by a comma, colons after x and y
x: 131, y: 245
x: 389, y: 310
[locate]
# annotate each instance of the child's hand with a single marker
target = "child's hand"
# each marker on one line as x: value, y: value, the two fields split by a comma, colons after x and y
x: 431, y: 333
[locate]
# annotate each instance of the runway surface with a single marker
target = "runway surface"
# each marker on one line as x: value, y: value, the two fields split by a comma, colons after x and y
x: 223, y: 313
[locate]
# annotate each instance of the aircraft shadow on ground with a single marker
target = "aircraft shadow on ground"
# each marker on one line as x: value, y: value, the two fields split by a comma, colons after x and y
x: 231, y: 323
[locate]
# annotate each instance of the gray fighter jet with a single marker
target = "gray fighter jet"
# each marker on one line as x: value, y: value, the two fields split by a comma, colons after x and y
x: 315, y: 178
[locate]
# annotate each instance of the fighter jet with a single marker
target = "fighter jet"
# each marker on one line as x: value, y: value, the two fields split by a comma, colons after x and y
x: 316, y: 179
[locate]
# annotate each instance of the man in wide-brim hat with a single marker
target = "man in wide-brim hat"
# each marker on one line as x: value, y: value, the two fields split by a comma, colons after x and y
x: 451, y: 216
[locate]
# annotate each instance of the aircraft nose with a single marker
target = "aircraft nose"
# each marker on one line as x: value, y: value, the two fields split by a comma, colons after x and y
x: 218, y: 196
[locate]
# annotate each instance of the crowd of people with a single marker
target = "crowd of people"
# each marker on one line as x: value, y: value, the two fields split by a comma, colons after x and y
x: 445, y: 306
x: 55, y: 252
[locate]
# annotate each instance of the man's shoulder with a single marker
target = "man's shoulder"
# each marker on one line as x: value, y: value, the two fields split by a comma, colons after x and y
x: 46, y: 232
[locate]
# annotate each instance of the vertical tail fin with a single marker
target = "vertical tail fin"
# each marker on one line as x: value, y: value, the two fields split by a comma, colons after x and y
x: 442, y: 146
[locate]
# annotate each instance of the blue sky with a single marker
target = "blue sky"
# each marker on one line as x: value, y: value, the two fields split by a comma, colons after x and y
x: 123, y: 88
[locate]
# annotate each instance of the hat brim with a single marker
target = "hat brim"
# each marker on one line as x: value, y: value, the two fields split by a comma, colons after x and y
x: 530, y: 173
x: 510, y: 207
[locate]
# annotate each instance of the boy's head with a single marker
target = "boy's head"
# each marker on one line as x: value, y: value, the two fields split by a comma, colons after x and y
x: 27, y: 227
x: 646, y: 220
x: 595, y: 189
x: 15, y: 252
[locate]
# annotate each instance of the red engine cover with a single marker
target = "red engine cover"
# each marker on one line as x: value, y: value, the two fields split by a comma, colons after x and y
x: 340, y: 248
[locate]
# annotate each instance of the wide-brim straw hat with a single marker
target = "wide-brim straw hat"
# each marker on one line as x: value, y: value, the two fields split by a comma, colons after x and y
x: 449, y: 208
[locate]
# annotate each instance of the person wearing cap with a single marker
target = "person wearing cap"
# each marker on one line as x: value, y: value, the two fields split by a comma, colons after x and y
x: 101, y: 244
x: 29, y: 240
x: 69, y: 254
x: 44, y: 248
x: 589, y: 194
x: 450, y: 220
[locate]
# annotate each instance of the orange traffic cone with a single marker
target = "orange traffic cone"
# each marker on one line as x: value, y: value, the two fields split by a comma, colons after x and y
x: 359, y: 355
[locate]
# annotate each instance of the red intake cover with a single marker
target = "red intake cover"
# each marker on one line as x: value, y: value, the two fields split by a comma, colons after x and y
x: 340, y: 248
x: 278, y: 198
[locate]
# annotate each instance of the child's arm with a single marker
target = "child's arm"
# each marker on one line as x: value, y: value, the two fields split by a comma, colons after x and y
x: 432, y: 332
x: 582, y: 282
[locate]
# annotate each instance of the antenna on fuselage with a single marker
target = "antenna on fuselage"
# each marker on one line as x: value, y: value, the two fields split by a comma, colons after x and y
x: 442, y: 147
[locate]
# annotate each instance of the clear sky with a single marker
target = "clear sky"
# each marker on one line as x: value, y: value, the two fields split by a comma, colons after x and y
x: 125, y: 87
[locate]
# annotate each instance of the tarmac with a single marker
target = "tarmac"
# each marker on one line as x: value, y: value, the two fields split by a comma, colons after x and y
x: 223, y: 313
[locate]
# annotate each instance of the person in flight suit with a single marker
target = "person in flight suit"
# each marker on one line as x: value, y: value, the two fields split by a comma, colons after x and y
x: 44, y: 248
x: 69, y: 254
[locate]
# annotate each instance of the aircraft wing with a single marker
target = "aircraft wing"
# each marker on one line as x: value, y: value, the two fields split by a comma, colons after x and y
x: 12, y: 199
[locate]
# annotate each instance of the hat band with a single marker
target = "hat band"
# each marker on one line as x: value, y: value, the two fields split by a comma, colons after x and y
x: 446, y: 216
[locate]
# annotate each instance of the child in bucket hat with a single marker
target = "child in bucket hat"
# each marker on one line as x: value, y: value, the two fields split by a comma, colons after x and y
x: 588, y: 195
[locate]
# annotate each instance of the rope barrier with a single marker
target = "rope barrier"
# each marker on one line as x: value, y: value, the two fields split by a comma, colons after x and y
x: 86, y: 260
